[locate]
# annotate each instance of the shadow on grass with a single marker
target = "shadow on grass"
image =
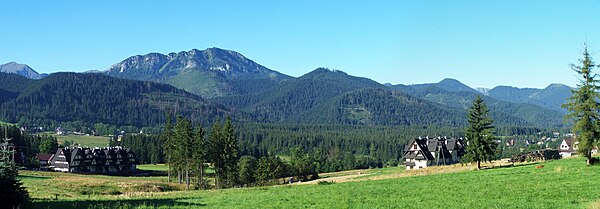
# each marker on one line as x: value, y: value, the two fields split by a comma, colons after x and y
x: 511, y: 165
x: 133, y: 203
x: 27, y: 177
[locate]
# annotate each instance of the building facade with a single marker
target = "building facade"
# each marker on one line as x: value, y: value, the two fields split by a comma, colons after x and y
x: 109, y: 160
x: 423, y: 152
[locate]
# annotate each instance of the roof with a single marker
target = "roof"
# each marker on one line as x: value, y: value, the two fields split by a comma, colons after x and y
x: 44, y: 157
x: 433, y: 147
x: 569, y: 141
x: 422, y: 143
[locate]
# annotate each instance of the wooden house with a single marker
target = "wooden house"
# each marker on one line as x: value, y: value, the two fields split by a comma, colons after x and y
x: 110, y: 160
x: 423, y: 152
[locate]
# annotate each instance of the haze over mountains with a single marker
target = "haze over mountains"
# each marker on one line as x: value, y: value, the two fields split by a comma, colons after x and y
x: 254, y: 93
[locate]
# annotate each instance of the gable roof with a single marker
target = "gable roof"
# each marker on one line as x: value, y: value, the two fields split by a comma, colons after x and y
x: 44, y: 157
x: 422, y: 143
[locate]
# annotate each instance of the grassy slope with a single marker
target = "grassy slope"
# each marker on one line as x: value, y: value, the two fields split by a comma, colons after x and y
x: 564, y: 183
x: 84, y: 141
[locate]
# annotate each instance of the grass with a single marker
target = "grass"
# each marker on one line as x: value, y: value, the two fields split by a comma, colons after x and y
x: 153, y: 167
x: 84, y: 141
x: 566, y: 183
x: 163, y: 167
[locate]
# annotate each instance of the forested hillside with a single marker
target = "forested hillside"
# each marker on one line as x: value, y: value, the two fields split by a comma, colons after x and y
x: 503, y: 112
x: 96, y: 98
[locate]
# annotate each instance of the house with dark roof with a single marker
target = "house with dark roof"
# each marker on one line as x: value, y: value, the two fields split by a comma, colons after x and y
x: 568, y: 147
x: 109, y: 160
x: 423, y: 152
x: 44, y: 159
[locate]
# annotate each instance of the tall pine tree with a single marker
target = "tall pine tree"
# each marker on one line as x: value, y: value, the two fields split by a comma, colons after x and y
x: 480, y: 136
x: 168, y: 149
x: 584, y: 108
x: 199, y: 155
x: 230, y: 154
x: 215, y: 153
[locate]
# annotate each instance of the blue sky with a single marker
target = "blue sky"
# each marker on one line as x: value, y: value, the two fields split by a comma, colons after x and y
x: 481, y: 43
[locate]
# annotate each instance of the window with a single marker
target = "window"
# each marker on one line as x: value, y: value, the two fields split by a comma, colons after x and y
x: 130, y: 155
x: 414, y: 146
x: 77, y: 156
x: 75, y: 162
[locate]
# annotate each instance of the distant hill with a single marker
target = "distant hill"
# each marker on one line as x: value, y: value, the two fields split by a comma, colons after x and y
x: 504, y: 112
x: 326, y: 96
x: 551, y: 97
x: 209, y: 73
x: 21, y: 69
x: 216, y: 82
x: 96, y: 98
x: 448, y: 84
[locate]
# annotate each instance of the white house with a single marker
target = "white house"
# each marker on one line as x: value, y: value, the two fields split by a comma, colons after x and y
x: 568, y: 147
x: 422, y: 152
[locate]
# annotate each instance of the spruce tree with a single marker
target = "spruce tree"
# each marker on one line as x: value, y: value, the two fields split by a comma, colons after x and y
x: 230, y: 153
x: 215, y: 153
x: 480, y: 136
x: 12, y: 192
x: 583, y: 107
x: 184, y: 139
x: 199, y: 155
x: 168, y: 144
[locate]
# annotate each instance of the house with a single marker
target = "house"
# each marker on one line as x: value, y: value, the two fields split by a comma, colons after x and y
x: 109, y: 160
x: 556, y: 134
x: 422, y: 152
x: 568, y: 147
x: 510, y: 142
x: 44, y: 159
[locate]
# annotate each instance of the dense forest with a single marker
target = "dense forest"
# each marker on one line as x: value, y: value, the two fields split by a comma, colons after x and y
x: 28, y: 145
x: 99, y: 99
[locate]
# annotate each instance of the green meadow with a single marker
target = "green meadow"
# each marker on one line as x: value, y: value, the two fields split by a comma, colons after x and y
x: 84, y: 141
x: 566, y: 183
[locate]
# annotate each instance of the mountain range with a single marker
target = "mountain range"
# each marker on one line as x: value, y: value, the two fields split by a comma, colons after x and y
x: 217, y: 82
x: 21, y: 69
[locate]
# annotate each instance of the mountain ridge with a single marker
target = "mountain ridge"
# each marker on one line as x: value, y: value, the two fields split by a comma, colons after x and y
x: 21, y: 69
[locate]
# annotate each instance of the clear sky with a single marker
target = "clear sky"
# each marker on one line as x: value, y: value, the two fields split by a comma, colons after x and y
x: 481, y: 43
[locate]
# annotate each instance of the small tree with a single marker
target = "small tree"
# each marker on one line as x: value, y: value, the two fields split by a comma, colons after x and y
x: 583, y: 107
x: 480, y: 137
x: 12, y: 192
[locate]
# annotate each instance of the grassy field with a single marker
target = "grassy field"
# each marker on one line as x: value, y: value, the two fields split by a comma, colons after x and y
x: 564, y: 183
x: 84, y: 141
x: 163, y: 167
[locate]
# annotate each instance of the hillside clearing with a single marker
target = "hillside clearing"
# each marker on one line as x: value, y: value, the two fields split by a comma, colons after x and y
x: 566, y: 183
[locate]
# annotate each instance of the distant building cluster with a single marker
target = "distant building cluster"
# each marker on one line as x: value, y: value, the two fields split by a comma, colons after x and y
x: 423, y: 152
x: 108, y: 160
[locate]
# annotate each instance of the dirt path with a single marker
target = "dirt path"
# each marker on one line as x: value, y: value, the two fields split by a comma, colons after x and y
x: 336, y: 179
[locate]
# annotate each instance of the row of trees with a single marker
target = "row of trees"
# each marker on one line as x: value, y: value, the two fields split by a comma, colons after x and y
x: 187, y: 151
